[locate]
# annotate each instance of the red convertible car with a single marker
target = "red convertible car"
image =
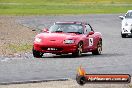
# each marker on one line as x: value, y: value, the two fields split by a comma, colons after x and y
x: 68, y: 37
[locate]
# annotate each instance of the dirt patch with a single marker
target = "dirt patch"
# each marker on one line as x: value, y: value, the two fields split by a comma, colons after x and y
x: 14, y: 38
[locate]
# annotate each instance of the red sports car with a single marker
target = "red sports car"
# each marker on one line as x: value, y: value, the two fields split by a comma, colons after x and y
x: 68, y: 37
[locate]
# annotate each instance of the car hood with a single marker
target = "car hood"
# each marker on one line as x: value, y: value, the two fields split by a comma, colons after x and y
x: 57, y: 36
x: 129, y: 21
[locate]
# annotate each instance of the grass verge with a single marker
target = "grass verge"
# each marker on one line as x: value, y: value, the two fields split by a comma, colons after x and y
x: 45, y: 7
x: 15, y: 48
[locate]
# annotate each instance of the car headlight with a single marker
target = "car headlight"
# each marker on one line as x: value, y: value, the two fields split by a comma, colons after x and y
x: 38, y: 39
x: 126, y: 24
x: 69, y: 41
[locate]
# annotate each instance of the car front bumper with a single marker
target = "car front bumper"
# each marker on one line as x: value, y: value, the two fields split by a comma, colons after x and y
x: 56, y: 49
x: 127, y: 30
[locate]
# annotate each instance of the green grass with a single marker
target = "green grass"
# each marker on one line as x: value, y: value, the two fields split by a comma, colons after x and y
x: 46, y: 7
x: 19, y: 48
x: 67, y: 1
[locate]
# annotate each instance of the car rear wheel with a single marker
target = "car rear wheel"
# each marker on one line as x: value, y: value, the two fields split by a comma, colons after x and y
x: 79, y: 50
x: 37, y: 54
x: 98, y: 51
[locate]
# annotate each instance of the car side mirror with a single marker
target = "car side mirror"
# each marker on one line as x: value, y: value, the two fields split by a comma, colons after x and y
x: 121, y: 17
x: 90, y: 33
x: 45, y: 30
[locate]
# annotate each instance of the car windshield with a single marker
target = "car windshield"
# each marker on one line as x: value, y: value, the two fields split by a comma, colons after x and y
x: 128, y: 15
x: 67, y: 28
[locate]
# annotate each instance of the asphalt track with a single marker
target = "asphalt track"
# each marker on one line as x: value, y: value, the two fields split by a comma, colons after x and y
x: 116, y: 57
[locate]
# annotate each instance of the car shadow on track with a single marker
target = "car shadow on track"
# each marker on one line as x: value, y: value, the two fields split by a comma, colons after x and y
x: 85, y: 55
x: 129, y: 36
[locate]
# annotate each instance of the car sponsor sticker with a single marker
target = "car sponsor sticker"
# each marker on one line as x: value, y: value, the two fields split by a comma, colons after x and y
x: 82, y: 77
x: 90, y: 41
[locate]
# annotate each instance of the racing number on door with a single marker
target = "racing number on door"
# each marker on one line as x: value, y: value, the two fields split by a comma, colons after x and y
x: 90, y: 41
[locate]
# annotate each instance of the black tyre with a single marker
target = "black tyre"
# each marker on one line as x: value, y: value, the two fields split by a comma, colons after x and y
x: 123, y: 35
x: 79, y: 50
x: 37, y: 54
x: 98, y: 51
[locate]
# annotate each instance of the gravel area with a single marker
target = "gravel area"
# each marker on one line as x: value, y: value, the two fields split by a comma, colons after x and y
x: 13, y: 34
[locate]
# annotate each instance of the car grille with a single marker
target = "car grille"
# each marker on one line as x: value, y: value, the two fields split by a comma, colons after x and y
x: 51, y: 49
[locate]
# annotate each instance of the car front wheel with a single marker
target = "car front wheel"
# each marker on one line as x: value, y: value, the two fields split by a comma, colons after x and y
x: 123, y: 35
x: 98, y: 51
x: 37, y: 54
x: 79, y: 50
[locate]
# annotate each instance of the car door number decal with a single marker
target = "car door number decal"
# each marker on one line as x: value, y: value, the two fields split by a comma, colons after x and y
x: 90, y: 41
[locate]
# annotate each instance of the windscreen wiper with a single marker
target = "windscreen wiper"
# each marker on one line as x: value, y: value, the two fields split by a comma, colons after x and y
x: 58, y: 31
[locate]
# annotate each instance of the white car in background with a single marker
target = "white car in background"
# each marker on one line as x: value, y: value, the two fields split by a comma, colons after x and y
x: 126, y: 28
